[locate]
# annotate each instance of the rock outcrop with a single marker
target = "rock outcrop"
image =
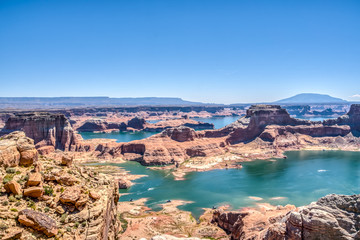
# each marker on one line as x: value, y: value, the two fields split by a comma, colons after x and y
x: 139, y: 124
x: 17, y: 149
x: 99, y: 125
x: 352, y: 119
x: 331, y: 217
x: 46, y: 129
x: 38, y: 221
x: 42, y: 195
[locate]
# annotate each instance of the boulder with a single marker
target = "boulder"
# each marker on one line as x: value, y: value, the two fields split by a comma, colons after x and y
x: 124, y: 183
x: 15, y: 233
x: 94, y: 195
x: 67, y: 179
x: 34, y: 179
x: 13, y: 187
x: 81, y: 202
x: 70, y: 195
x: 66, y: 161
x: 38, y: 221
x: 34, y: 192
x: 15, y: 149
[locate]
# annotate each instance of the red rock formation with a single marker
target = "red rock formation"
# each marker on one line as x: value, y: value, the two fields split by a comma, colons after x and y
x: 267, y: 125
x: 46, y: 129
x: 17, y: 149
x: 331, y: 217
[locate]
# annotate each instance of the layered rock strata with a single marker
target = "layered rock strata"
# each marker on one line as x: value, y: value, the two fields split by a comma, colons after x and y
x: 267, y: 127
x: 331, y: 217
x: 46, y: 129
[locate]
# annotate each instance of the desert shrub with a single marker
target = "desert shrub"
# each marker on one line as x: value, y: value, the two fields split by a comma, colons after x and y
x: 18, y: 197
x: 10, y: 170
x: 13, y: 209
x: 8, y: 178
x: 12, y: 198
x: 48, y: 190
x: 63, y: 218
x: 5, y: 203
x: 46, y: 209
x: 31, y: 204
x: 3, y: 227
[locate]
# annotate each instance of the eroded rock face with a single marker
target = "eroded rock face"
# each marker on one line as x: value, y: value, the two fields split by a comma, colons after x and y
x: 180, y: 134
x: 38, y: 221
x: 352, y: 118
x: 136, y: 123
x: 17, y: 149
x: 331, y: 217
x: 93, y: 125
x: 46, y: 129
x: 267, y: 127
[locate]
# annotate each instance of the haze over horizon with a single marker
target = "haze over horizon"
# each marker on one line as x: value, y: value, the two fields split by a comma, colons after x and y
x: 218, y: 52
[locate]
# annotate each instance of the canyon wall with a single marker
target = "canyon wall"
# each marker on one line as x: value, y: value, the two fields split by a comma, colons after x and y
x: 46, y: 129
x: 331, y: 217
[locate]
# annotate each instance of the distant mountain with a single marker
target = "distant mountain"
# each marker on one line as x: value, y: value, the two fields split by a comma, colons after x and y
x: 308, y: 98
x: 66, y: 102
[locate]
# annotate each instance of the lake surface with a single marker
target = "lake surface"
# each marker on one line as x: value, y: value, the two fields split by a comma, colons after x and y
x: 119, y: 136
x: 316, y: 118
x: 300, y: 179
x: 218, y: 122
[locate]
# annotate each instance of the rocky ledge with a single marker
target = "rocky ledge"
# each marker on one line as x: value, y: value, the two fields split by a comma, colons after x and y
x: 42, y: 197
x: 331, y: 217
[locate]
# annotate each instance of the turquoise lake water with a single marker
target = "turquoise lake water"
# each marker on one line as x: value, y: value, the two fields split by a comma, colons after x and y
x: 218, y: 122
x: 300, y: 179
x: 119, y: 136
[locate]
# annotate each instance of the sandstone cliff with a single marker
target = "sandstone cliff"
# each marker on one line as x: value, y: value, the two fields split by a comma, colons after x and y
x: 46, y: 129
x: 331, y: 217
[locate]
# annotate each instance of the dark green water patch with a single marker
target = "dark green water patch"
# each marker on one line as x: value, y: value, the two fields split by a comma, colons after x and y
x: 300, y: 179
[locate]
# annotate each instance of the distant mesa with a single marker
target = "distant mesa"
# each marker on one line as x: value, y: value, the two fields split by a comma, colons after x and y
x: 71, y: 102
x: 308, y: 98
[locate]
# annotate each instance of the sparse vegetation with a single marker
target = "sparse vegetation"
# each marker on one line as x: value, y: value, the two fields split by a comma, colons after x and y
x: 48, y: 190
x: 46, y: 209
x: 18, y: 197
x: 5, y: 203
x: 13, y: 210
x: 8, y: 178
x: 63, y: 218
x: 124, y: 222
x: 12, y: 198
x: 31, y: 204
x: 10, y: 170
x: 3, y: 227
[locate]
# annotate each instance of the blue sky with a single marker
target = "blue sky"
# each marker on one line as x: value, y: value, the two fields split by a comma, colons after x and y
x: 211, y: 51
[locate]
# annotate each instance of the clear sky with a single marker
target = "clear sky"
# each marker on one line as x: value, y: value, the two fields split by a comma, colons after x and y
x: 218, y: 51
